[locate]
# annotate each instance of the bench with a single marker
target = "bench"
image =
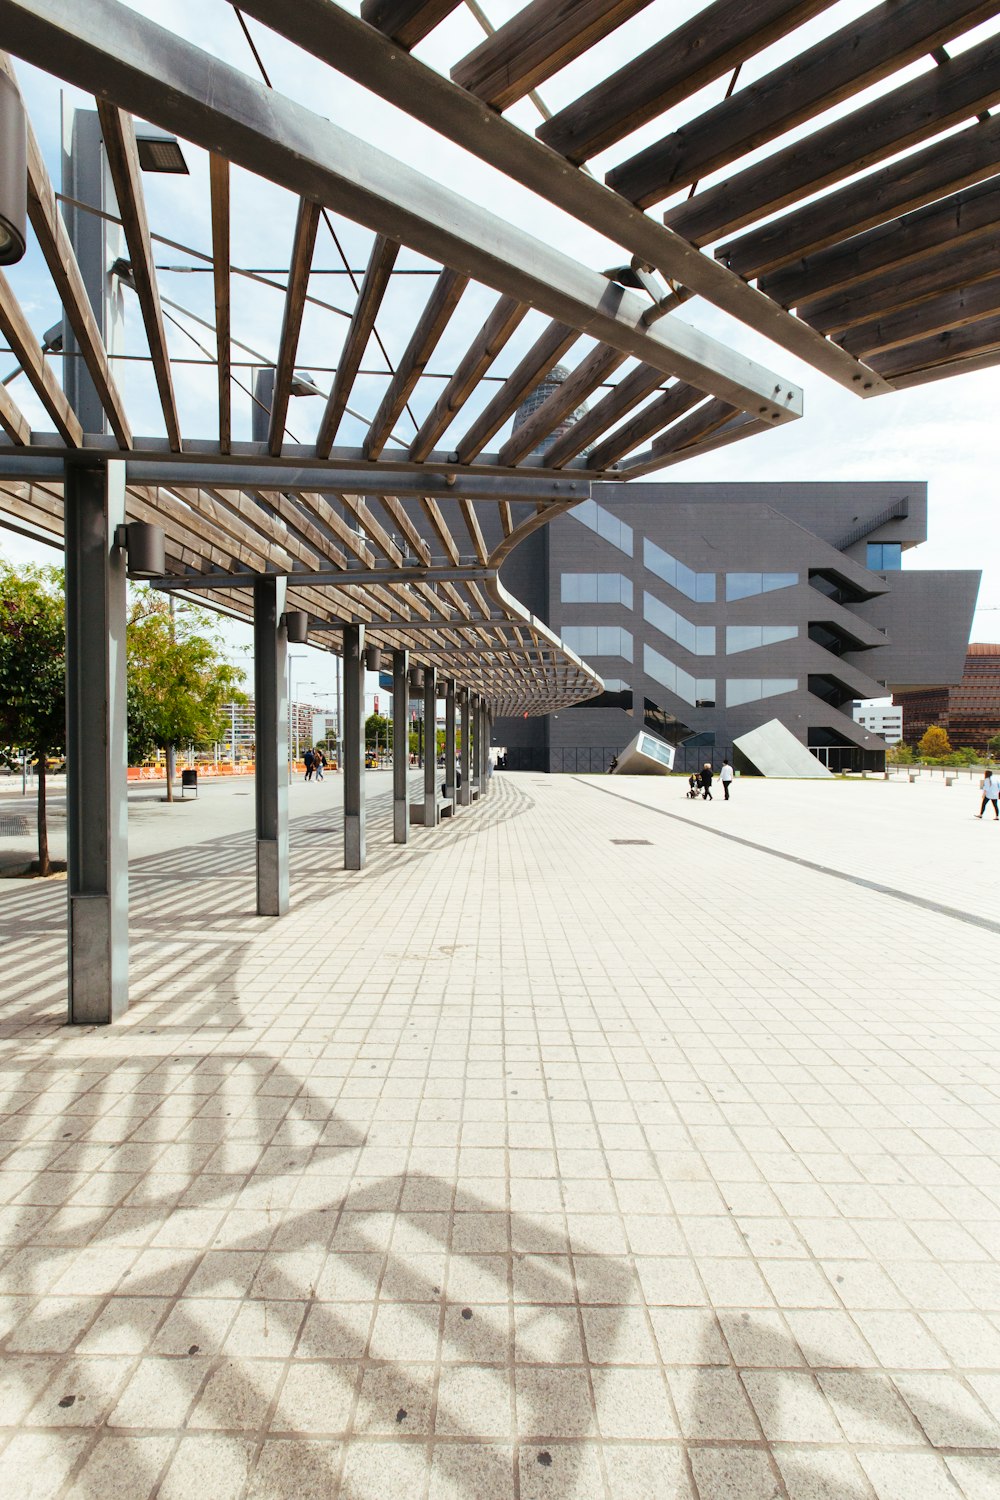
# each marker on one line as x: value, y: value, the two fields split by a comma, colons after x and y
x: 444, y: 807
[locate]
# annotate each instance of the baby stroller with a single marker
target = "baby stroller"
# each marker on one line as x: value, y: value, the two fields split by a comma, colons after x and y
x: 694, y: 788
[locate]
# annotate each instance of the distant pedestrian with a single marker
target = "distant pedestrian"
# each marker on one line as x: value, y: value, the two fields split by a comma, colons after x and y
x: 706, y: 782
x: 990, y: 788
x: 309, y: 761
x: 726, y: 777
x: 694, y: 786
x: 319, y: 761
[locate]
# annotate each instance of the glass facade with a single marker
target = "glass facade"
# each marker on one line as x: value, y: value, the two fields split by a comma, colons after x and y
x: 698, y: 639
x: 598, y: 640
x: 670, y: 675
x: 605, y: 524
x: 751, y: 689
x: 656, y: 750
x: 697, y: 586
x: 596, y: 588
x: 749, y: 637
x: 745, y: 585
x: 885, y: 557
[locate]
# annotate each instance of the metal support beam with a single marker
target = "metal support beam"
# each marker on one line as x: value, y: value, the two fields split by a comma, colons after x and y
x: 474, y: 739
x: 465, y: 790
x: 270, y: 648
x: 330, y: 577
x: 108, y: 49
x: 354, y: 747
x: 430, y: 747
x: 96, y: 746
x: 449, y: 739
x: 400, y: 746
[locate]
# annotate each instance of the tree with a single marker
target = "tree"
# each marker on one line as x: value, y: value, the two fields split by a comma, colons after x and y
x: 900, y: 755
x: 33, y: 675
x: 378, y: 732
x: 179, y: 683
x: 993, y: 746
x: 934, y: 743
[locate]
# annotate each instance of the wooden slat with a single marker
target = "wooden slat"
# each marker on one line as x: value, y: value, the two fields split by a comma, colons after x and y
x: 495, y: 333
x: 402, y: 521
x: 372, y: 527
x: 718, y: 38
x: 957, y: 344
x: 303, y: 245
x: 962, y: 160
x: 54, y: 243
x: 373, y: 289
x: 633, y: 388
x: 889, y: 292
x: 407, y: 21
x: 882, y: 42
x: 563, y: 402
x: 475, y: 530
x: 440, y: 527
x: 666, y: 408
x: 219, y: 181
x: 742, y: 426
x: 967, y: 365
x: 433, y: 321
x: 537, y: 42
x: 914, y: 112
x: 546, y: 351
x: 12, y: 419
x: 28, y: 351
x: 123, y: 161
x: 950, y: 310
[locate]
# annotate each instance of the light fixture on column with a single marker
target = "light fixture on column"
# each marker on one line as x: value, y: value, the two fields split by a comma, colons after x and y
x: 144, y: 546
x: 296, y: 623
x: 13, y: 173
x: 416, y: 680
x: 373, y: 658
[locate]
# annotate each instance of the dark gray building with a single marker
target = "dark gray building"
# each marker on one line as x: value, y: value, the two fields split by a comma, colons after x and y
x: 710, y: 609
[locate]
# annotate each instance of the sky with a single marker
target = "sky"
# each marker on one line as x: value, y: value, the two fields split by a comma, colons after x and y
x: 944, y: 433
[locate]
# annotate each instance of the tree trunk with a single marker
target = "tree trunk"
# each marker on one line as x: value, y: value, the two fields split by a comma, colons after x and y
x: 171, y: 771
x: 43, y: 827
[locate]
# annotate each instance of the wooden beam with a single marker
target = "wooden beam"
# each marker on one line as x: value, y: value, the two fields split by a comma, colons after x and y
x: 495, y: 333
x: 28, y: 352
x: 373, y: 288
x: 925, y: 107
x: 537, y: 42
x: 882, y: 42
x: 630, y: 390
x: 955, y: 346
x: 956, y: 365
x: 889, y: 292
x: 123, y: 161
x: 652, y: 418
x: 441, y: 529
x: 960, y: 161
x: 475, y: 530
x: 719, y: 38
x: 433, y: 321
x: 303, y: 244
x: 401, y: 519
x: 562, y: 403
x: 12, y: 419
x: 54, y: 243
x: 219, y: 183
x: 739, y: 427
x: 407, y: 21
x: 546, y: 351
x: 941, y: 314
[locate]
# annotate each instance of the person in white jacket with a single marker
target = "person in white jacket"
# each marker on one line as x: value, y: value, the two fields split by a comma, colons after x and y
x: 726, y: 777
x: 990, y: 788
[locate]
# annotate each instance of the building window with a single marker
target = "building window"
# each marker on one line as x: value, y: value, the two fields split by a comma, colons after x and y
x: 670, y: 675
x: 749, y: 637
x: 605, y: 524
x: 598, y: 640
x: 697, y: 586
x: 885, y: 557
x: 745, y: 585
x: 752, y: 689
x: 698, y: 639
x: 596, y: 588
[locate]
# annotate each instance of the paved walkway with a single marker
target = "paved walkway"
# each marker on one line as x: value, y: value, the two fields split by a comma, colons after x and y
x: 573, y: 1152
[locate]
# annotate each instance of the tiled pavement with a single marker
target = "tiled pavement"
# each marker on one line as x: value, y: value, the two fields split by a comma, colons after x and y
x: 530, y: 1163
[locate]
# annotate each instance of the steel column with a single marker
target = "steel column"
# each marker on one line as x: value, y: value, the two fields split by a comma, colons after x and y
x: 270, y: 656
x: 449, y: 740
x: 400, y: 746
x: 430, y: 747
x: 96, y: 746
x: 354, y: 747
x: 465, y: 790
x: 474, y: 738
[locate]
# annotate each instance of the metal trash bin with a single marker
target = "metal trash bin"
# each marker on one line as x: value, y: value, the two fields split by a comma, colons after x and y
x: 189, y: 779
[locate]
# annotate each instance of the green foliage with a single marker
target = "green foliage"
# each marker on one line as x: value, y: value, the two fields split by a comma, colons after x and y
x: 934, y: 743
x: 179, y: 682
x: 378, y: 731
x: 993, y: 745
x: 900, y: 755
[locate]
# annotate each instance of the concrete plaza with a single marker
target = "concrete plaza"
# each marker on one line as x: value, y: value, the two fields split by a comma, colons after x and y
x: 598, y: 1144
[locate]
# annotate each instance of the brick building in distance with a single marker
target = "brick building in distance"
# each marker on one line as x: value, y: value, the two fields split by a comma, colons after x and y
x: 969, y: 711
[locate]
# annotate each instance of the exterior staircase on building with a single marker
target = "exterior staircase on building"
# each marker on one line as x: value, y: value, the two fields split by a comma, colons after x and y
x: 898, y: 511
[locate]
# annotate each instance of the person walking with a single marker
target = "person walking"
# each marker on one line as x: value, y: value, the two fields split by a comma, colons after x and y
x: 726, y: 777
x: 319, y: 761
x: 308, y: 760
x: 706, y: 782
x: 990, y: 788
